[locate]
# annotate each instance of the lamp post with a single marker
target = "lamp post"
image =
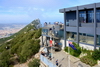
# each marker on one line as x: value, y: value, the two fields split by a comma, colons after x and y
x: 51, y: 44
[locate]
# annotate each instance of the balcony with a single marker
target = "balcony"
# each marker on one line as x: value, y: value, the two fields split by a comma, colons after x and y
x: 86, y: 24
x: 73, y: 23
x: 55, y: 31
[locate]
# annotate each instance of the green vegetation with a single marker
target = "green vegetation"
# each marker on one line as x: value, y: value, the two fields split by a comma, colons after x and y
x: 31, y: 26
x: 4, y: 59
x: 73, y: 52
x: 96, y: 55
x: 3, y: 40
x: 88, y: 60
x: 22, y: 45
x: 89, y: 57
x: 34, y: 63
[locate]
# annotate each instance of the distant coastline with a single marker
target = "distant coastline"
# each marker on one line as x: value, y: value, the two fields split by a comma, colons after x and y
x: 7, y: 30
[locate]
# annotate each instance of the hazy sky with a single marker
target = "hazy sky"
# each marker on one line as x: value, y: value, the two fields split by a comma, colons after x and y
x: 25, y: 11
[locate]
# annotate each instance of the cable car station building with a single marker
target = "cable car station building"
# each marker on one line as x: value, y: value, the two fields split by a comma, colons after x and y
x: 82, y: 25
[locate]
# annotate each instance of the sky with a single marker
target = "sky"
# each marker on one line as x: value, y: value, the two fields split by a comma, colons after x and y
x: 25, y: 11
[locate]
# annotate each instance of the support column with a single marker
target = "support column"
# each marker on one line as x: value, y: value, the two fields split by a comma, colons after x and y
x: 42, y: 42
x: 77, y: 17
x: 99, y: 39
x: 64, y: 28
x: 95, y: 38
x: 46, y: 42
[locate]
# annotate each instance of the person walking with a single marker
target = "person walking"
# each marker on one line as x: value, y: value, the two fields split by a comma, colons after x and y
x: 57, y: 62
x: 50, y: 56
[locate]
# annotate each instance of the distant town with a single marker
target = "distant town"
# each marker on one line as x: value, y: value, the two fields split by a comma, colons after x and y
x: 7, y: 30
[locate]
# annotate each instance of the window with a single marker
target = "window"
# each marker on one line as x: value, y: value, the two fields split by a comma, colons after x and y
x: 61, y: 33
x: 86, y: 16
x: 72, y: 36
x: 82, y: 16
x: 98, y: 15
x: 98, y: 39
x: 90, y: 39
x: 90, y: 17
x: 45, y: 31
x: 82, y: 37
x: 86, y: 38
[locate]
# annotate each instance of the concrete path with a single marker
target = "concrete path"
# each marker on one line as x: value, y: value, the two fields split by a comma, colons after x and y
x: 66, y: 60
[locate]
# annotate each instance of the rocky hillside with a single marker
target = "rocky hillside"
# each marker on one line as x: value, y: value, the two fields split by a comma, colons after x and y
x: 21, y: 46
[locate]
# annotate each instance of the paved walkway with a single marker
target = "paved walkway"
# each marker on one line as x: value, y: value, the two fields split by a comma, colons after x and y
x: 66, y: 60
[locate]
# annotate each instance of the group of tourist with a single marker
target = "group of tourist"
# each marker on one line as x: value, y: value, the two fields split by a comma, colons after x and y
x: 45, y: 54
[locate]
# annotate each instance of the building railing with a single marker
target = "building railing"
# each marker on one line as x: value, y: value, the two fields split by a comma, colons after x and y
x: 58, y: 26
x: 86, y: 24
x: 58, y: 34
x: 47, y: 61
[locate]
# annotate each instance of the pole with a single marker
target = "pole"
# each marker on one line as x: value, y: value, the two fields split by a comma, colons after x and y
x: 42, y: 41
x: 51, y: 51
x: 69, y: 54
x: 77, y: 16
x: 64, y: 28
x: 95, y: 25
x: 52, y: 56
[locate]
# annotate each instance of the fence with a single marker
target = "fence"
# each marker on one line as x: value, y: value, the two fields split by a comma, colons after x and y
x: 47, y: 61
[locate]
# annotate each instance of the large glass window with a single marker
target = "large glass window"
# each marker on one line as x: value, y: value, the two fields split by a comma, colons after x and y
x: 86, y: 38
x: 82, y: 16
x: 90, y: 16
x: 98, y: 39
x: 72, y: 36
x: 82, y: 37
x: 90, y: 39
x: 45, y: 31
x: 98, y: 15
x: 86, y: 16
x: 61, y: 33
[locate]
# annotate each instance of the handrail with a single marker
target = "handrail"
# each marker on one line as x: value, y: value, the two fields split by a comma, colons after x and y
x: 47, y: 61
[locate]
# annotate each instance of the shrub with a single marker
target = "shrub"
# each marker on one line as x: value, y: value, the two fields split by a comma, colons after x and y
x: 34, y: 63
x: 2, y: 47
x: 73, y: 52
x: 84, y: 50
x: 25, y: 52
x: 11, y: 65
x: 28, y: 49
x: 77, y: 52
x: 38, y: 33
x: 66, y: 49
x: 14, y: 48
x: 4, y: 59
x: 96, y: 55
x: 22, y: 59
x: 88, y: 60
x: 4, y: 63
x: 76, y: 45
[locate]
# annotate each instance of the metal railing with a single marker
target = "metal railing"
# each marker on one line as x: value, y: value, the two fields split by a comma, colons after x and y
x: 47, y: 61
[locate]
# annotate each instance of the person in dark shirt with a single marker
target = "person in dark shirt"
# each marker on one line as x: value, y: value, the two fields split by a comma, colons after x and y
x: 57, y: 62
